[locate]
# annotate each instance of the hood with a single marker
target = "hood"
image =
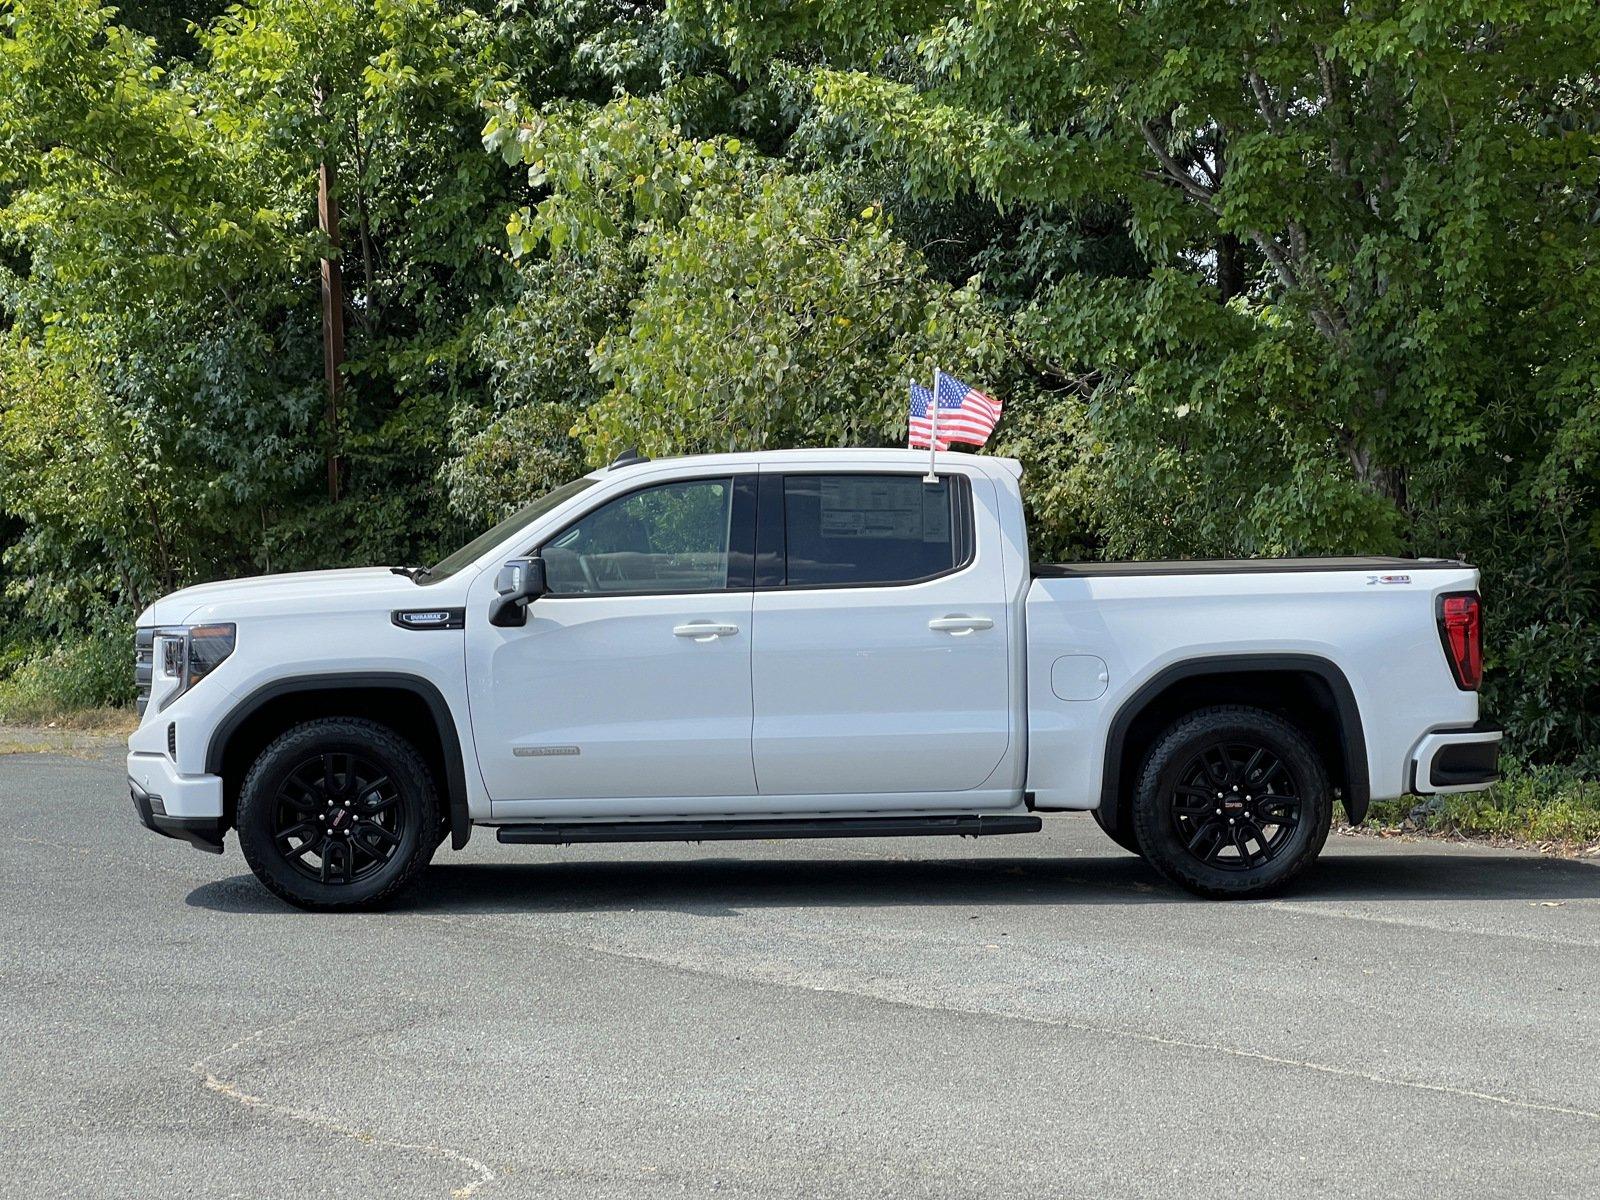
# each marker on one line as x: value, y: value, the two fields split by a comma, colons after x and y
x: 302, y: 591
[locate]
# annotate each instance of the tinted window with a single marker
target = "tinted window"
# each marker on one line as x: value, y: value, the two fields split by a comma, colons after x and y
x: 866, y: 529
x: 670, y: 538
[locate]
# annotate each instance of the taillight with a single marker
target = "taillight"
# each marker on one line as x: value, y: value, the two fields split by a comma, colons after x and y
x: 1461, y: 630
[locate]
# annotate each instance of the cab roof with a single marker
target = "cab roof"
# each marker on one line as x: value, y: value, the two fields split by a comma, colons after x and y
x: 899, y: 459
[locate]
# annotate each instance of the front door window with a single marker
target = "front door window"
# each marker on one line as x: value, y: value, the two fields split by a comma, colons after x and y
x: 671, y: 538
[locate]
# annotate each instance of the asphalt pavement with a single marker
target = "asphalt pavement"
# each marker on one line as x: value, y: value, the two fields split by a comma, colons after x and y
x: 1025, y: 1016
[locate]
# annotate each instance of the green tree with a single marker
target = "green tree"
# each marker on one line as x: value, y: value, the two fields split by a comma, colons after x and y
x: 136, y: 221
x: 160, y: 211
x: 1348, y: 336
x: 720, y: 299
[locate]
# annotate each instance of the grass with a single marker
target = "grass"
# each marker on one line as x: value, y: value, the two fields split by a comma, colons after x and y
x: 73, y: 744
x: 1557, y: 807
x: 102, y: 722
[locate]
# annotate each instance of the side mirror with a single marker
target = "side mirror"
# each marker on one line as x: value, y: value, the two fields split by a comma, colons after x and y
x: 519, y: 583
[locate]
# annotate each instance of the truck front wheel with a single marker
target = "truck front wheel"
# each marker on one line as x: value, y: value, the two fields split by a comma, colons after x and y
x: 1232, y: 802
x: 338, y: 813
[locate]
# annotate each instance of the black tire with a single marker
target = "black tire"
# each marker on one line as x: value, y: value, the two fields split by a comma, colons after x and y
x: 1123, y: 837
x: 338, y: 813
x: 1206, y: 795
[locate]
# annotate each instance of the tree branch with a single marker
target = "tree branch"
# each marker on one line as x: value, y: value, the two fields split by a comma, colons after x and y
x: 1271, y: 113
x: 1174, y: 171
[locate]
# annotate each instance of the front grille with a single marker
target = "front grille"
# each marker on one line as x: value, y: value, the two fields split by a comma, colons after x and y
x: 144, y: 644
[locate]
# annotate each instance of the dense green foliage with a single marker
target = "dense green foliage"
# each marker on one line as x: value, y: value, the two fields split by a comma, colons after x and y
x: 1251, y: 279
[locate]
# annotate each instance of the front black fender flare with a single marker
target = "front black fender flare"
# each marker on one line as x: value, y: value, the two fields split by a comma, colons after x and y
x: 454, y: 764
x: 1353, y: 742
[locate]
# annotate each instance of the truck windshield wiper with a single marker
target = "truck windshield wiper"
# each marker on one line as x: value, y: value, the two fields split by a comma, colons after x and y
x: 415, y: 574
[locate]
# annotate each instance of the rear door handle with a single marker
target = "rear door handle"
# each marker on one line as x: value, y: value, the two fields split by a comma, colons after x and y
x: 704, y: 631
x: 958, y: 624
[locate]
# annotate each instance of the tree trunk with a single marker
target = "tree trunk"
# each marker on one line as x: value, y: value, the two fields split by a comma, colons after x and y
x: 1388, y: 481
x: 1230, y: 267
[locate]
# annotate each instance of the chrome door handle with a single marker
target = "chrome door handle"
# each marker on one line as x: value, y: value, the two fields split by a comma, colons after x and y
x: 959, y: 625
x: 704, y: 631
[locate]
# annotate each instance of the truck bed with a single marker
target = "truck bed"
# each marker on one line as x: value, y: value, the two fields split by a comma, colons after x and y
x: 1242, y: 566
x: 1098, y: 633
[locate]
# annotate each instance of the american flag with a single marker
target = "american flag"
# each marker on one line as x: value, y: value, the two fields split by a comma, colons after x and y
x: 965, y: 414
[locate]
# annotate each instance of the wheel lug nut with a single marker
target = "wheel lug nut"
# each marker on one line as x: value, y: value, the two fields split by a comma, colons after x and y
x: 1230, y: 820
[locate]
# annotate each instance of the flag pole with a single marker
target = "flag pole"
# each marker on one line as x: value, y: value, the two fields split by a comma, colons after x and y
x: 933, y: 430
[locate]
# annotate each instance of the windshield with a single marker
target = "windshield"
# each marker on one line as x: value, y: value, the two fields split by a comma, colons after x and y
x: 526, y: 515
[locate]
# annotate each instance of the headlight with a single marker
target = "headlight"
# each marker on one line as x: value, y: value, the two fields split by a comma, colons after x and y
x: 188, y: 653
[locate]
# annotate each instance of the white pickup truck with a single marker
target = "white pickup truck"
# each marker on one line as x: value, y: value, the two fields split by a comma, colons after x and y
x: 813, y: 643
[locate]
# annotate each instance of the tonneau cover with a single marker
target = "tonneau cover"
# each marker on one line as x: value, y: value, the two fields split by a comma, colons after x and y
x: 1244, y: 566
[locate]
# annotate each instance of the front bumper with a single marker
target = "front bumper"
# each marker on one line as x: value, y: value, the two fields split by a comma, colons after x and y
x: 203, y: 833
x: 1456, y: 760
x: 188, y: 808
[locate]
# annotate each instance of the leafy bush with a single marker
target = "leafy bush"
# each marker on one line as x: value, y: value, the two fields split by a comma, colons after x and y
x: 54, y: 682
x: 1541, y: 804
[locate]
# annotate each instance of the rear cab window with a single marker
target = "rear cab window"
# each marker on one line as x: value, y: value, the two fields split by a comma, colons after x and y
x: 862, y: 529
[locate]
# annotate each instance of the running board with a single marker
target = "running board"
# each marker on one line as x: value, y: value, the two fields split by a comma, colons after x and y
x: 966, y: 825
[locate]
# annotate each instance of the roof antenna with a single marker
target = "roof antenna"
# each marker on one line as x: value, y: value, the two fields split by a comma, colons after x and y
x: 627, y: 458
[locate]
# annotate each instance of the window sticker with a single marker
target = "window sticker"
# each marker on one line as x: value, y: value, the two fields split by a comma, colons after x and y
x: 874, y: 507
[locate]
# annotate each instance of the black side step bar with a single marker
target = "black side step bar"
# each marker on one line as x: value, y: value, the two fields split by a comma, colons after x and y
x: 560, y: 833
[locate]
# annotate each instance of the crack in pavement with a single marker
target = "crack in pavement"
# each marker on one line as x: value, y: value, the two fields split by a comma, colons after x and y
x: 1084, y: 1027
x: 324, y: 1122
x: 231, y: 1091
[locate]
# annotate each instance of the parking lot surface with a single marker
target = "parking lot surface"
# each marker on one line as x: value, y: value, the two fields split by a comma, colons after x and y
x: 1019, y: 1016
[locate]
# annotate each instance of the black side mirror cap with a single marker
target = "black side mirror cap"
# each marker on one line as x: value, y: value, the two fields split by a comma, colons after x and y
x: 518, y: 584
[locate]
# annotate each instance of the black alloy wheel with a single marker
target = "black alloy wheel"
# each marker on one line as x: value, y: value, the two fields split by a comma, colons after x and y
x: 1232, y: 802
x: 1236, y: 805
x: 338, y: 818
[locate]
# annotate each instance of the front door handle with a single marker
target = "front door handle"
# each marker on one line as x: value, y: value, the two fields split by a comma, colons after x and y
x: 704, y: 631
x: 957, y: 624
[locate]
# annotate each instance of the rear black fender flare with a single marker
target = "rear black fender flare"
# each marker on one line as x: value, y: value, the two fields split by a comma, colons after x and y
x: 454, y: 764
x: 1353, y: 743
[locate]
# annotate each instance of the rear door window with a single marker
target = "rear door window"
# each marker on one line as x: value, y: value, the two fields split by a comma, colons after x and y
x: 865, y: 530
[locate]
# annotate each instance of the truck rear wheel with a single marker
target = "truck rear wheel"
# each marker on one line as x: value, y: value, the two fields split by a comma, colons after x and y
x: 338, y: 813
x: 1232, y: 802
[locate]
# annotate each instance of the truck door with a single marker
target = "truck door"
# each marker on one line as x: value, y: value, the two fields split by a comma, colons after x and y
x: 880, y: 656
x: 631, y: 677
